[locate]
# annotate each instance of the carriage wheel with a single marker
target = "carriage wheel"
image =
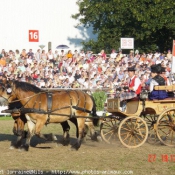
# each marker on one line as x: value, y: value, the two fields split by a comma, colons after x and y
x: 109, y: 130
x: 166, y: 127
x: 151, y: 121
x: 133, y: 132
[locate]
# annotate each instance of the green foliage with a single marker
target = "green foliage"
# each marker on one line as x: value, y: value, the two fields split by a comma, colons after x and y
x: 150, y: 22
x: 100, y: 98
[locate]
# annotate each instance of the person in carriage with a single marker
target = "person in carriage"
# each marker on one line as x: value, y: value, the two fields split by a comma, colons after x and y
x: 163, y: 74
x: 156, y: 80
x: 134, y: 88
x: 167, y: 81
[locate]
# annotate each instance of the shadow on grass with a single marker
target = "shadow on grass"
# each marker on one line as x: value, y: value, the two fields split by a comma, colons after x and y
x: 39, y: 143
x: 7, y: 137
x: 35, y: 141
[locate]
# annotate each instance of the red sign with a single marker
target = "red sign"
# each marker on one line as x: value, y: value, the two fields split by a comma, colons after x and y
x: 173, y: 52
x: 33, y: 36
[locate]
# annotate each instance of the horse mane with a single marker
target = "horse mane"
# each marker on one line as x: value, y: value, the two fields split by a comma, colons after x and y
x: 24, y: 86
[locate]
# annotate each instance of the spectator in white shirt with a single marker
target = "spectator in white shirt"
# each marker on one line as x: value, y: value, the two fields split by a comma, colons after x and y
x: 86, y: 83
x: 38, y: 55
x: 82, y: 54
x: 70, y: 77
x: 86, y: 65
x: 158, y: 61
x: 81, y: 80
x: 113, y: 54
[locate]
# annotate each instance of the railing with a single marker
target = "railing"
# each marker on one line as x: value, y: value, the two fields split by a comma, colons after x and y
x: 82, y: 89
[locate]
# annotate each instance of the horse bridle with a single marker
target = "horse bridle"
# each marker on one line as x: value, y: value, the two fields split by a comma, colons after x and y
x: 9, y: 91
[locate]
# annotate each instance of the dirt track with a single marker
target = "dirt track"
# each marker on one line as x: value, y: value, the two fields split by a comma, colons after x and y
x: 91, y: 158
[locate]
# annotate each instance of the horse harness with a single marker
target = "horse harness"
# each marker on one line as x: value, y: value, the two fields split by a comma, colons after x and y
x: 49, y: 111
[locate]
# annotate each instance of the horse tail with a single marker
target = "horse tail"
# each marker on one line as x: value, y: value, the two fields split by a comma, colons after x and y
x: 96, y: 118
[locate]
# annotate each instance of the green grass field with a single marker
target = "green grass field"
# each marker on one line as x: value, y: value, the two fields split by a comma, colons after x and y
x: 6, y: 118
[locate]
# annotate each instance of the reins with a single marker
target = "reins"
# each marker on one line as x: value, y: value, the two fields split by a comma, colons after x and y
x: 24, y: 98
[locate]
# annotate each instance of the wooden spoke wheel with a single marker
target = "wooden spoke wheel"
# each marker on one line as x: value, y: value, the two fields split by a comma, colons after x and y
x: 166, y: 127
x: 133, y: 132
x: 109, y: 130
x: 151, y: 121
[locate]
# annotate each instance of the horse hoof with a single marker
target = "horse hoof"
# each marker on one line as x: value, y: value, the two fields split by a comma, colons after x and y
x: 65, y: 143
x: 96, y: 137
x: 54, y: 138
x: 12, y: 147
x: 84, y: 140
x: 73, y: 149
x: 24, y: 148
x: 99, y: 139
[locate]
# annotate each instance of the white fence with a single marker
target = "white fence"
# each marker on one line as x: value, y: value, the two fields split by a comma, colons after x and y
x: 3, y: 108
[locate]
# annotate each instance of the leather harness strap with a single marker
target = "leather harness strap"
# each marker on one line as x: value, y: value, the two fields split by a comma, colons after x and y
x: 49, y: 111
x: 85, y: 101
x: 49, y: 105
x: 70, y: 103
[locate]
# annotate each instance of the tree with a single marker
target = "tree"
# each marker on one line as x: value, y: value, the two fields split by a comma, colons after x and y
x: 150, y: 22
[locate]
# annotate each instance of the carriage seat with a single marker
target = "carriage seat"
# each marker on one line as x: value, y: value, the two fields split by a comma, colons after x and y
x: 167, y: 88
x: 171, y: 99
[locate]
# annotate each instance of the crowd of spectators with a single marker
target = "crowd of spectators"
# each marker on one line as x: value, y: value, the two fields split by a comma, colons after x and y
x: 62, y: 69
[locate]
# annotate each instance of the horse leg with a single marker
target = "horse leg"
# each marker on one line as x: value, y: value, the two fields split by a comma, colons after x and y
x: 17, y: 143
x: 38, y: 127
x: 93, y: 134
x: 66, y: 129
x: 19, y: 131
x: 66, y: 138
x: 84, y: 139
x: 20, y: 135
x: 74, y: 121
x: 81, y: 134
x: 30, y: 133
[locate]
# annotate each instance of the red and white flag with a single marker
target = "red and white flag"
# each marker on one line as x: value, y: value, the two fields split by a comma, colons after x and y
x: 173, y: 50
x: 173, y: 59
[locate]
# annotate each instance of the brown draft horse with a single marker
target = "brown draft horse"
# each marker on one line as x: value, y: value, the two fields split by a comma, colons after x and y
x: 45, y: 107
x: 20, y: 121
x: 19, y: 126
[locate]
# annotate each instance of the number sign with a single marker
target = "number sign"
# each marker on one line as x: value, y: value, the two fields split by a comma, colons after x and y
x: 127, y: 43
x: 33, y: 36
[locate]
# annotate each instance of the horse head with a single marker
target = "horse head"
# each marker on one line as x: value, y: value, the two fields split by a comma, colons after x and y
x: 7, y: 91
